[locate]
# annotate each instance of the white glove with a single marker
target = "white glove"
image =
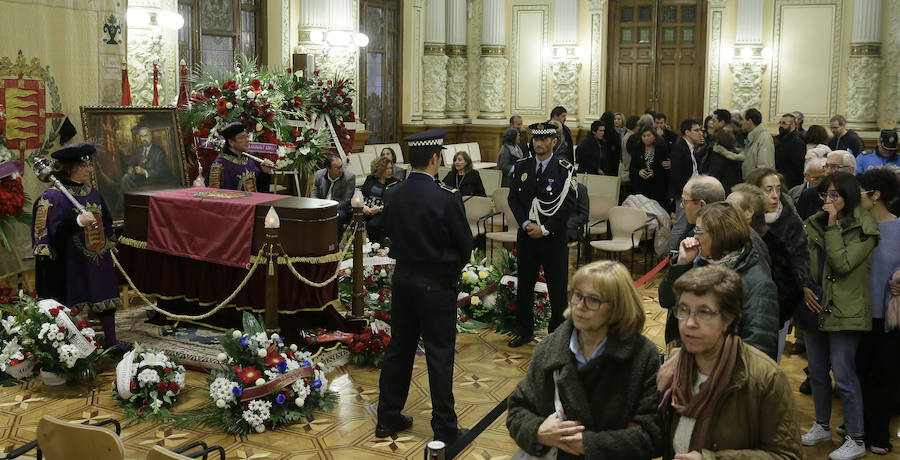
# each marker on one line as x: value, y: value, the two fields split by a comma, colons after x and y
x: 85, y: 219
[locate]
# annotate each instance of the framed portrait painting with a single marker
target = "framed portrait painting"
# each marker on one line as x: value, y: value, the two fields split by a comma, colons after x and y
x: 136, y: 147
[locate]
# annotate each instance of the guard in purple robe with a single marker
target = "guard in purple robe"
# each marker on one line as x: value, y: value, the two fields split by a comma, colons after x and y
x: 72, y: 256
x: 234, y: 171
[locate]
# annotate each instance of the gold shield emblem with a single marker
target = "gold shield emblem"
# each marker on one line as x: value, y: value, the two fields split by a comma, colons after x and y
x: 215, y: 175
x: 524, y: 177
x: 40, y: 218
x: 94, y: 239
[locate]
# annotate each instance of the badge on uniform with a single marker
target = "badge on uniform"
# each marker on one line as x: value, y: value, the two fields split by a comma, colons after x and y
x: 550, y: 185
x: 524, y: 176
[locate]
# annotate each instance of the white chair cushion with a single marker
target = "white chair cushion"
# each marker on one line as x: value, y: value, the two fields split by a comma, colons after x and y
x: 612, y: 245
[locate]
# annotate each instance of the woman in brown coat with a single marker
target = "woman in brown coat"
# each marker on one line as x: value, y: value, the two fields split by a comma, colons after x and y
x: 719, y: 397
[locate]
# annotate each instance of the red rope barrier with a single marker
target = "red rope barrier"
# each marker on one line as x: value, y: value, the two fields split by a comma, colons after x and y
x: 653, y: 272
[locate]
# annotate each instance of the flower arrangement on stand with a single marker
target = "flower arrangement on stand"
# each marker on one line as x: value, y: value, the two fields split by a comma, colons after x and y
x: 283, y: 108
x: 12, y: 194
x: 15, y: 361
x: 475, y: 288
x: 377, y: 284
x: 501, y: 313
x: 263, y: 384
x: 147, y: 384
x: 63, y: 346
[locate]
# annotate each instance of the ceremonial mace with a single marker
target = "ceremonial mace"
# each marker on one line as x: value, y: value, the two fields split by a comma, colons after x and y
x: 43, y: 169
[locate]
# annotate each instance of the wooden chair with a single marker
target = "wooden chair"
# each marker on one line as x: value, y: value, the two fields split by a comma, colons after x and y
x: 56, y: 439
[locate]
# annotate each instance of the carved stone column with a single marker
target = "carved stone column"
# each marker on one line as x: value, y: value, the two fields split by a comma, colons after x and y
x: 458, y: 62
x: 598, y: 35
x: 434, y: 61
x: 149, y: 45
x: 434, y: 66
x: 566, y: 63
x: 891, y: 75
x: 864, y: 65
x: 492, y: 81
x: 748, y: 65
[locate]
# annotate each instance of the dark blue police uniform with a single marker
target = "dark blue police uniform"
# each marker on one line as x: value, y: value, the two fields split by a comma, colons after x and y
x: 549, y: 251
x: 431, y: 242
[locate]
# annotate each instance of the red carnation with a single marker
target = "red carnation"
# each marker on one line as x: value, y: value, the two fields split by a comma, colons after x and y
x: 74, y: 312
x: 230, y: 85
x: 174, y: 386
x: 162, y: 387
x: 54, y: 312
x: 463, y: 318
x: 216, y: 92
x: 167, y: 370
x: 62, y: 329
x: 358, y: 348
x: 133, y: 385
x: 81, y: 325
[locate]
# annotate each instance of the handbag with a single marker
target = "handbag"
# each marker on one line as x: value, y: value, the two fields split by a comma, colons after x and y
x: 520, y: 454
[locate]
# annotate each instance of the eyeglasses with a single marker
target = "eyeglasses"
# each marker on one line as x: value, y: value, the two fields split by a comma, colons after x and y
x: 590, y: 302
x: 869, y: 192
x: 698, y: 232
x: 704, y: 315
x: 833, y: 195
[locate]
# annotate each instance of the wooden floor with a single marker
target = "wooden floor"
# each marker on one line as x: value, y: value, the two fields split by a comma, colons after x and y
x: 486, y: 372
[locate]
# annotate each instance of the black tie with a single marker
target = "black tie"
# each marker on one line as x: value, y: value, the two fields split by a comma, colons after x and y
x: 540, y: 171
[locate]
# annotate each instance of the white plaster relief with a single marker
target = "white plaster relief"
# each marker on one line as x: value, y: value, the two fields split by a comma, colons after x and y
x: 596, y: 62
x: 716, y: 9
x: 565, y: 84
x: 891, y: 69
x: 748, y: 77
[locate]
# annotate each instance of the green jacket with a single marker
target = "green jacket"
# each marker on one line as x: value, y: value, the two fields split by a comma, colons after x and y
x: 759, y: 324
x: 759, y: 150
x: 755, y: 417
x: 846, y: 303
x: 611, y: 390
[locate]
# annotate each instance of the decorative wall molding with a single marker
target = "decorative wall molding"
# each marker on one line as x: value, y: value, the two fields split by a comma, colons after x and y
x: 748, y: 78
x: 565, y: 85
x: 862, y: 89
x: 285, y: 34
x: 417, y: 45
x: 597, y: 42
x: 520, y: 52
x: 714, y: 52
x: 474, y: 58
x: 836, y: 46
x: 435, y: 85
x: 865, y: 49
x: 457, y: 73
x: 492, y: 105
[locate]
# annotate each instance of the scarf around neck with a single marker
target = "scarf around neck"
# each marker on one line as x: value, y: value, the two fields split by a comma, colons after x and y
x: 726, y: 259
x: 675, y: 382
x: 771, y: 217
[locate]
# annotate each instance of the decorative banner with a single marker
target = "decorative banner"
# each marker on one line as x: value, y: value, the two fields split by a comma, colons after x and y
x: 26, y: 90
x: 255, y: 147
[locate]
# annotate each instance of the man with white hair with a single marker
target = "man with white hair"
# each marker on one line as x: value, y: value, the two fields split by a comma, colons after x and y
x: 809, y: 202
x: 698, y: 192
x: 813, y: 173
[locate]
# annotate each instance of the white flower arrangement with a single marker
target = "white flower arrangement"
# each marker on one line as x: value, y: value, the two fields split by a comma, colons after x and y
x: 147, y: 384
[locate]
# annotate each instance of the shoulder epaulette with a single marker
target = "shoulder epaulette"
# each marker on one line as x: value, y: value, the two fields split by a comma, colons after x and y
x: 520, y: 160
x: 448, y: 188
x: 565, y: 163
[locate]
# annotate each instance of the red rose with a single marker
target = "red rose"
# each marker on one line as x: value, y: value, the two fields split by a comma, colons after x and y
x: 74, y: 312
x: 62, y: 329
x: 162, y: 387
x: 167, y: 370
x: 174, y: 386
x: 81, y: 325
x: 54, y: 312
x: 133, y: 385
x: 511, y: 283
x: 357, y: 348
x: 463, y: 318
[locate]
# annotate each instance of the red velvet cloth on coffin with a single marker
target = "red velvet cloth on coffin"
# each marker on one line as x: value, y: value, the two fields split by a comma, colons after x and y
x: 229, y: 212
x: 299, y: 305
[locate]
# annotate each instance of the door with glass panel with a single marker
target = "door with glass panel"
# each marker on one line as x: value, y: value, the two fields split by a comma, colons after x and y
x: 657, y: 57
x: 215, y: 31
x: 380, y: 69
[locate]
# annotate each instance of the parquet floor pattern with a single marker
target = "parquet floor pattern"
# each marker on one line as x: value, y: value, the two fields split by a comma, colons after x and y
x: 486, y: 371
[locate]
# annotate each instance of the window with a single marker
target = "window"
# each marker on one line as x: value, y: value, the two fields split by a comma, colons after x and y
x: 216, y: 30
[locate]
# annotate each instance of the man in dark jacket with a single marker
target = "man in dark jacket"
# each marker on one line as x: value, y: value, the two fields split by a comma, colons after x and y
x: 662, y: 128
x: 844, y: 139
x: 790, y: 151
x: 539, y: 183
x: 426, y: 221
x: 559, y: 114
x: 684, y: 167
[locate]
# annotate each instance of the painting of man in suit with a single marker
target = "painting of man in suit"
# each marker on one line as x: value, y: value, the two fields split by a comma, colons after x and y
x: 148, y: 163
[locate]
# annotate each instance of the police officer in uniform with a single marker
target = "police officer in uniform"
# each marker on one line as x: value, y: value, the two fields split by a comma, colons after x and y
x: 542, y: 195
x: 431, y: 242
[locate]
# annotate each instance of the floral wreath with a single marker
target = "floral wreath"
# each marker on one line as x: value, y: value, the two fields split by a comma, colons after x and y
x: 147, y: 384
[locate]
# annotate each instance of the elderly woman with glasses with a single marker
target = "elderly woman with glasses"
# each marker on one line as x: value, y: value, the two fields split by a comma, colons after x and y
x: 591, y: 389
x: 719, y: 397
x: 722, y: 237
x: 842, y: 238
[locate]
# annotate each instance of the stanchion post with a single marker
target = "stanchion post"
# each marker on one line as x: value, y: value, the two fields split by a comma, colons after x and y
x: 272, y: 251
x: 358, y: 305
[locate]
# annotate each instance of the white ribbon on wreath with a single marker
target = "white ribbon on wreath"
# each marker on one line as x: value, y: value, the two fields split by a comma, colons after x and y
x: 76, y: 338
